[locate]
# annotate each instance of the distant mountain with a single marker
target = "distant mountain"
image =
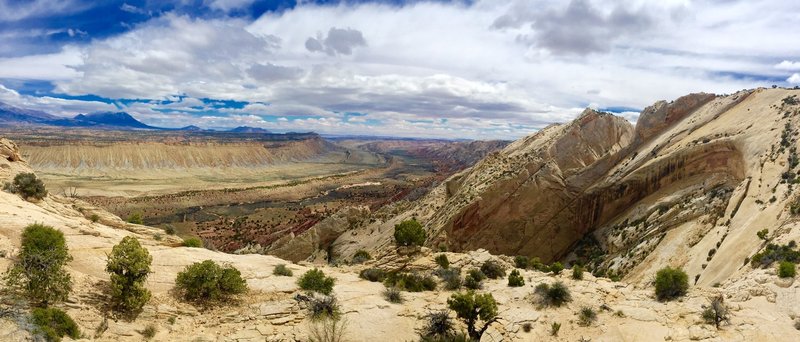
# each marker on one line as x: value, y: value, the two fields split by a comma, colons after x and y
x: 106, y: 119
x: 248, y: 129
x: 13, y: 116
x: 191, y: 128
x: 10, y: 115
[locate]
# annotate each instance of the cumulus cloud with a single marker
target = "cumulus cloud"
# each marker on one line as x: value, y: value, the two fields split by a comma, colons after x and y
x: 788, y: 65
x: 486, y: 69
x: 338, y: 42
x: 580, y: 28
x: 794, y: 79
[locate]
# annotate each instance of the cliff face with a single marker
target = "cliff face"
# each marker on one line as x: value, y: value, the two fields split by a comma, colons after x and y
x: 93, y: 159
x: 692, y: 176
x: 546, y: 175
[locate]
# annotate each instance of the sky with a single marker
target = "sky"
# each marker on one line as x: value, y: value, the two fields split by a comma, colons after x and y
x: 482, y: 69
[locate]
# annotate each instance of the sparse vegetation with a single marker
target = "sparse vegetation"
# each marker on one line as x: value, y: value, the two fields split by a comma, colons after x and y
x: 440, y: 327
x: 552, y: 295
x: 361, y: 256
x: 527, y: 327
x: 409, y: 233
x: 135, y: 218
x: 716, y: 312
x: 372, y: 274
x: 94, y: 218
x: 577, y: 272
x: 411, y: 282
x: 53, y: 324
x: 554, y: 328
x: 38, y: 271
x: 282, y: 270
x: 671, y: 283
x: 206, y: 281
x: 586, y: 316
x: 149, y: 331
x: 129, y: 266
x: 321, y: 307
x: 556, y: 267
x: 442, y: 261
x: 474, y: 279
x: 773, y: 253
x: 786, y: 269
x: 493, y: 270
x: 521, y: 261
x: 451, y: 278
x: 762, y: 234
x: 515, y: 279
x: 471, y: 307
x: 28, y: 186
x: 327, y: 330
x: 393, y: 295
x: 193, y: 242
x: 316, y: 281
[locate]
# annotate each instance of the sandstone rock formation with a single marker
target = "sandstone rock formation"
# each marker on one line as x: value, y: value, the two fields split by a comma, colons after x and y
x: 693, y: 174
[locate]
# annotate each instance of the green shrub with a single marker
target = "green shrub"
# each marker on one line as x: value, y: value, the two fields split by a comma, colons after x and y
x: 773, y: 253
x: 577, y: 272
x: 361, y: 256
x: 671, y: 283
x: 762, y: 234
x: 586, y: 316
x: 786, y: 269
x: 556, y: 295
x: 321, y: 307
x: 442, y: 261
x: 439, y: 326
x: 474, y: 279
x: 536, y: 264
x: 373, y: 274
x: 493, y: 269
x: 206, y: 281
x: 451, y: 278
x: 282, y: 270
x: 38, y: 272
x: 94, y: 218
x: 135, y: 218
x: 521, y: 262
x: 556, y: 267
x: 393, y: 295
x: 315, y: 280
x: 409, y: 233
x: 129, y: 266
x: 193, y: 242
x: 410, y: 282
x: 527, y: 327
x: 471, y: 307
x: 54, y: 324
x: 515, y: 279
x: 27, y: 186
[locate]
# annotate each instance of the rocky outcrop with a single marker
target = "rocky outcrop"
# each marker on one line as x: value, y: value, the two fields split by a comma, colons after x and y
x: 11, y: 162
x: 318, y: 238
x: 528, y: 199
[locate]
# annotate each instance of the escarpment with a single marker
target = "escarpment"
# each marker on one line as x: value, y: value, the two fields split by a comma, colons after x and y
x: 693, y: 180
x: 90, y: 158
